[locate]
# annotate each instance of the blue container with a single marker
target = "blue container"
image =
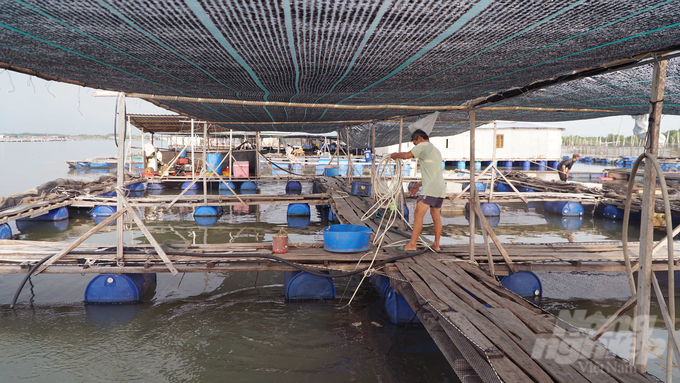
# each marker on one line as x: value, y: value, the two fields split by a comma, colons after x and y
x: 541, y: 165
x: 460, y: 164
x: 361, y: 188
x: 381, y: 283
x: 293, y: 187
x: 508, y: 165
x: 225, y: 188
x: 564, y: 222
x: 300, y: 285
x: 618, y: 163
x: 248, y: 186
x: 478, y: 165
x: 118, y: 288
x: 155, y: 186
x: 183, y: 153
x: 298, y: 221
x: 367, y: 155
x: 526, y: 165
x: 553, y: 164
x: 318, y: 169
x: 406, y: 170
x: 331, y: 171
x: 501, y: 187
x: 480, y: 186
x: 296, y: 169
x: 346, y: 238
x: 205, y: 220
x: 108, y: 194
x: 57, y: 214
x: 208, y: 211
x: 397, y: 309
x: 489, y: 209
x: 5, y: 231
x: 565, y: 208
x: 186, y: 184
x: 332, y: 217
x: 410, y: 185
x: 213, y: 163
x: 298, y: 209
x: 612, y: 224
x: 137, y: 186
x: 525, y: 190
x: 612, y: 212
x: 524, y: 283
x: 103, y: 211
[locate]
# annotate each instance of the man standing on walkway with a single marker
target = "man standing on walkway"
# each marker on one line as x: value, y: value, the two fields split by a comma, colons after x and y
x: 564, y: 167
x: 434, y: 187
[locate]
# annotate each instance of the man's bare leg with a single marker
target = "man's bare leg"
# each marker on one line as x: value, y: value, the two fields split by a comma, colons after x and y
x: 437, y: 219
x: 421, y: 209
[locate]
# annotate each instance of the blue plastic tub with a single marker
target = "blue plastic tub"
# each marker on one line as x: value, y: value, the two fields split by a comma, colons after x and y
x: 57, y: 214
x: 213, y: 162
x: 5, y: 231
x: 301, y: 285
x: 118, y: 288
x: 298, y: 209
x: 565, y: 208
x: 331, y: 171
x: 346, y: 238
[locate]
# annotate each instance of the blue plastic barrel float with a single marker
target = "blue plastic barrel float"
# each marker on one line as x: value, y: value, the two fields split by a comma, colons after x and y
x: 213, y: 161
x: 618, y: 163
x: 137, y: 186
x: 525, y: 284
x: 541, y: 165
x: 489, y: 209
x: 480, y: 186
x: 460, y: 165
x: 57, y: 214
x: 227, y: 188
x: 346, y: 238
x: 525, y: 189
x: 612, y: 212
x: 248, y: 187
x: 207, y: 215
x: 564, y: 222
x: 103, y: 211
x: 397, y: 308
x: 298, y: 215
x: 192, y: 187
x: 526, y: 165
x: 298, y: 209
x: 301, y: 285
x: 553, y: 164
x: 508, y: 165
x: 293, y: 187
x: 5, y: 231
x: 502, y: 187
x: 331, y: 171
x: 478, y: 165
x: 380, y: 282
x: 119, y: 288
x: 155, y: 186
x: 565, y: 208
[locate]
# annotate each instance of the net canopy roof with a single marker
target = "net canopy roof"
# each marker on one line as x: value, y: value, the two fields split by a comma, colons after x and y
x: 514, y: 53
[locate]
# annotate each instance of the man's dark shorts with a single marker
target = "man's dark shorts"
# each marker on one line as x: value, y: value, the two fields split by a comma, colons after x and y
x: 431, y: 201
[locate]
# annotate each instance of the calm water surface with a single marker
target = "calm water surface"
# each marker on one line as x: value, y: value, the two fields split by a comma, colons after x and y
x: 215, y: 327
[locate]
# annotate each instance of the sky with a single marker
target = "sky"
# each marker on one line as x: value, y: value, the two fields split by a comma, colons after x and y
x: 29, y: 104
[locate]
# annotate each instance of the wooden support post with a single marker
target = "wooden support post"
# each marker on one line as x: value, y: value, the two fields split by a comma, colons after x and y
x: 257, y: 157
x: 473, y: 185
x: 231, y: 146
x: 349, y: 156
x: 337, y: 149
x: 401, y: 132
x: 144, y: 164
x: 120, y: 175
x: 205, y: 161
x: 647, y: 221
x: 493, y: 159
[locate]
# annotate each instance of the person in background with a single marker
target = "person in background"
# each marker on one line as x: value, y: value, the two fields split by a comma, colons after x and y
x: 564, y: 167
x: 434, y: 188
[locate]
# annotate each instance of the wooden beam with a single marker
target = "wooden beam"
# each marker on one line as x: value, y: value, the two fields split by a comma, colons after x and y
x: 120, y: 173
x: 473, y: 186
x: 647, y: 221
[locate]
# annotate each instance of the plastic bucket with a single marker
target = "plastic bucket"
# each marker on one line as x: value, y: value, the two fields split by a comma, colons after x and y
x: 346, y: 238
x: 280, y: 243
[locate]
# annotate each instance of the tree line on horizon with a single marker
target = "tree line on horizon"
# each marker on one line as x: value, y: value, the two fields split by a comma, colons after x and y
x: 672, y: 139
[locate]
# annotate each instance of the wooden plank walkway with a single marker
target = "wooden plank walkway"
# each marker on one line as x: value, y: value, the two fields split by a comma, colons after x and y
x: 494, y: 332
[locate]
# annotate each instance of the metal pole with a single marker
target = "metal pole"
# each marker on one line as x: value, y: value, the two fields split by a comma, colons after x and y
x: 193, y: 164
x: 349, y: 156
x: 373, y: 160
x: 231, y: 158
x: 144, y: 164
x: 473, y: 186
x: 257, y: 154
x: 120, y: 176
x: 205, y: 162
x: 647, y: 226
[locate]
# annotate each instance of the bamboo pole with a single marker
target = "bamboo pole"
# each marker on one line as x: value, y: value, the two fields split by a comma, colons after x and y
x: 647, y: 225
x: 358, y: 107
x: 257, y: 157
x: 205, y: 161
x: 193, y: 164
x: 373, y: 180
x: 473, y: 186
x: 231, y: 147
x: 493, y: 159
x: 120, y: 176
